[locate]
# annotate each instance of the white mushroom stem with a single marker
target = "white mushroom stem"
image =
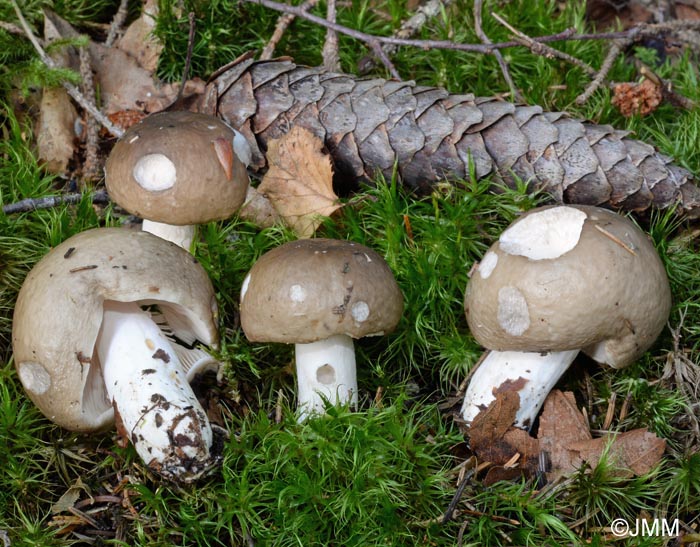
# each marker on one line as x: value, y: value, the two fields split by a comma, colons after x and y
x: 325, y: 369
x: 154, y: 401
x: 532, y: 375
x: 180, y: 235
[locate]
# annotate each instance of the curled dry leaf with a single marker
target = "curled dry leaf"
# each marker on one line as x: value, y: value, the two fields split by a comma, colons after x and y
x: 562, y: 424
x: 299, y: 181
x: 138, y: 39
x: 493, y: 439
x: 57, y: 116
x: 56, y: 130
x: 634, y: 452
x: 565, y: 436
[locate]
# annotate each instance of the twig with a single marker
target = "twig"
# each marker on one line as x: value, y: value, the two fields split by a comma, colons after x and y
x: 615, y: 49
x: 12, y: 29
x: 538, y: 48
x: 115, y: 27
x: 281, y: 27
x: 32, y: 204
x: 73, y: 91
x: 408, y: 28
x: 91, y: 167
x: 633, y: 33
x: 188, y: 57
x: 515, y: 94
x: 449, y: 512
x: 667, y: 91
x: 331, y: 58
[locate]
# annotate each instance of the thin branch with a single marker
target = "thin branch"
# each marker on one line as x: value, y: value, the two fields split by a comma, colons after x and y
x: 281, y: 27
x: 331, y: 57
x: 188, y: 57
x: 408, y: 29
x: 615, y: 49
x: 538, y: 48
x: 12, y: 29
x: 91, y: 166
x: 478, y: 28
x: 117, y: 24
x: 384, y: 58
x: 47, y: 202
x: 633, y: 33
x: 73, y: 91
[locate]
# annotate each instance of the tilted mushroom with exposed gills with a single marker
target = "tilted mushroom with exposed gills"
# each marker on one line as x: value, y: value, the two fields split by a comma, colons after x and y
x: 178, y: 169
x: 86, y: 352
x: 319, y: 294
x: 560, y: 280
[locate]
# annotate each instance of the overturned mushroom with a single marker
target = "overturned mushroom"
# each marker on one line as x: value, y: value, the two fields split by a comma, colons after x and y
x: 86, y: 352
x: 561, y: 280
x: 178, y: 169
x: 319, y: 294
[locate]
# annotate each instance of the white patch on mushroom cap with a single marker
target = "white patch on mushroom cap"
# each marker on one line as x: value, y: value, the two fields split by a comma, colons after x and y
x: 488, y: 264
x: 35, y: 377
x: 544, y: 235
x: 155, y: 172
x: 244, y: 287
x: 359, y: 311
x: 513, y: 315
x: 297, y: 293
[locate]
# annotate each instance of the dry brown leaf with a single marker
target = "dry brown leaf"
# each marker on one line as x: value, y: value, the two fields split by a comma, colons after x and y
x: 138, y: 39
x: 56, y: 130
x: 299, y: 181
x: 57, y: 116
x: 561, y: 424
x: 634, y: 452
x: 124, y: 84
x: 493, y: 438
x: 565, y: 436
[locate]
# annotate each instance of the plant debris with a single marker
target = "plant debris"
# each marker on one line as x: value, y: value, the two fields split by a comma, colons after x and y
x: 563, y: 438
x: 637, y: 98
x: 299, y: 182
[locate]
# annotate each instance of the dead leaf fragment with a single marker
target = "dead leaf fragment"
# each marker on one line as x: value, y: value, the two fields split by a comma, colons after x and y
x: 56, y: 130
x: 561, y: 425
x: 565, y: 436
x: 138, y: 39
x: 493, y: 438
x: 299, y: 182
x: 634, y: 452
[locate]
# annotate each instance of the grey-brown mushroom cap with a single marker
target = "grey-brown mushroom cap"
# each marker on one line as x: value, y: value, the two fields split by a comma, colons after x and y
x: 202, y: 192
x: 608, y: 296
x: 311, y: 289
x: 59, y: 310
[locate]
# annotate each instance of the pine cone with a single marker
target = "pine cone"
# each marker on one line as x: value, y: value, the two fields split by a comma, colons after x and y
x: 369, y: 125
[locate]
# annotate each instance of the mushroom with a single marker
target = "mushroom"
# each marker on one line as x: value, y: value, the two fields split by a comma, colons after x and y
x: 560, y: 280
x: 87, y: 353
x: 319, y: 294
x: 177, y: 169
